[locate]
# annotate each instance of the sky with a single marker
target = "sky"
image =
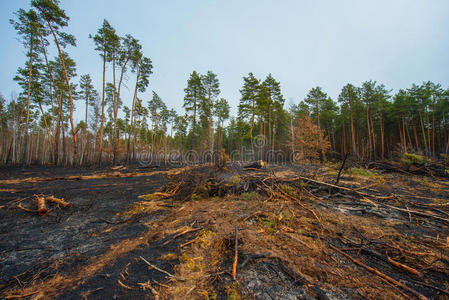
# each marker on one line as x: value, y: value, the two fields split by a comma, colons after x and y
x: 302, y: 43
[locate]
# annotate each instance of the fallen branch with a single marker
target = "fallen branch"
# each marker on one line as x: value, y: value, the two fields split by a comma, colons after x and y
x: 189, y: 242
x: 180, y: 234
x: 433, y: 287
x: 20, y: 296
x: 41, y: 207
x: 254, y: 256
x: 236, y: 254
x: 124, y: 285
x: 162, y: 271
x: 380, y: 274
x: 404, y: 267
x: 59, y: 201
x: 23, y: 208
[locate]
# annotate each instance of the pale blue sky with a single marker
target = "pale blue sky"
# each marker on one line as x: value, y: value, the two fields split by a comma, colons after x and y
x: 302, y: 43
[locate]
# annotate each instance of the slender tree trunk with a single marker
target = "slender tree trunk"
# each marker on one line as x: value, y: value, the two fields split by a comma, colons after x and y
x: 269, y: 124
x: 52, y: 84
x: 423, y: 132
x: 433, y: 132
x: 369, y: 133
x: 403, y: 134
x: 373, y: 136
x: 45, y: 123
x: 131, y: 128
x: 382, y: 136
x: 116, y: 109
x: 354, y: 149
x: 415, y: 134
x: 58, y: 129
x: 75, y: 152
x: 102, y: 111
x: 194, y: 125
x: 24, y: 155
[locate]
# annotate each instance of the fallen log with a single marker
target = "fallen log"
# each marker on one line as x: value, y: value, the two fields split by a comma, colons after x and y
x: 255, y: 165
x: 41, y: 207
x: 59, y: 201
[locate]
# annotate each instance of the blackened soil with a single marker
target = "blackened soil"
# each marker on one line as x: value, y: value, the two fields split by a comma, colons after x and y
x: 36, y: 247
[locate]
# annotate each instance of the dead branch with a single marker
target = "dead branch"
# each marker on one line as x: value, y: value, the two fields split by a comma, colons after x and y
x: 162, y: 271
x: 41, y: 207
x: 21, y: 296
x: 236, y: 258
x: 24, y: 209
x: 189, y: 242
x: 433, y: 287
x: 180, y: 234
x: 124, y: 285
x: 380, y: 274
x: 254, y: 256
x: 341, y: 168
x: 404, y: 267
x: 59, y: 201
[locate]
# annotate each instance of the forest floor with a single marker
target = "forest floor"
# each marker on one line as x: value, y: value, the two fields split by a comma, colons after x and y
x: 170, y: 233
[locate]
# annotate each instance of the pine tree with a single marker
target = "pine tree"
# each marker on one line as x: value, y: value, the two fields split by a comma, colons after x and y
x: 129, y: 51
x: 212, y: 90
x: 194, y: 94
x: 248, y: 106
x: 143, y: 66
x: 29, y: 28
x: 55, y: 18
x: 88, y: 93
x: 349, y: 96
x: 104, y: 42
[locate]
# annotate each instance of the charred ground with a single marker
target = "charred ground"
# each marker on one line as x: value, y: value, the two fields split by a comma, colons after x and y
x: 374, y: 235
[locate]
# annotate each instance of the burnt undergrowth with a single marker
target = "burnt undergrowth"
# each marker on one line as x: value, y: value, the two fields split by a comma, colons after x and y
x: 171, y: 234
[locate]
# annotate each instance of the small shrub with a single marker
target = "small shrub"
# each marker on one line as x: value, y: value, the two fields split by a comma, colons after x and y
x: 287, y: 189
x: 248, y: 196
x: 270, y: 225
x: 414, y: 158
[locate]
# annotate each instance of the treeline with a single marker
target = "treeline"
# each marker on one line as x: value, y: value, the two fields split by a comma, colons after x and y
x: 368, y: 122
x: 38, y: 126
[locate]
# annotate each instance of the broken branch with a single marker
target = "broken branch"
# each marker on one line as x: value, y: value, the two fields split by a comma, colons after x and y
x: 162, y: 271
x: 380, y: 274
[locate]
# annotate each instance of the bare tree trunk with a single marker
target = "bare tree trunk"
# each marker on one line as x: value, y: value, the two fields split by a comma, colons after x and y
x: 382, y: 136
x: 102, y: 111
x: 75, y: 153
x: 131, y: 128
x: 24, y: 155
x: 423, y: 131
x: 369, y: 133
x: 45, y: 122
x: 354, y: 149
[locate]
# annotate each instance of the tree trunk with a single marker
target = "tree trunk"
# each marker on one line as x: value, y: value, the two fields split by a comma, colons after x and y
x: 382, y: 136
x: 52, y: 84
x: 102, y: 111
x: 131, y: 128
x: 423, y: 132
x: 75, y: 152
x: 115, y: 108
x: 24, y: 155
x: 45, y: 122
x: 369, y: 133
x: 354, y: 149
